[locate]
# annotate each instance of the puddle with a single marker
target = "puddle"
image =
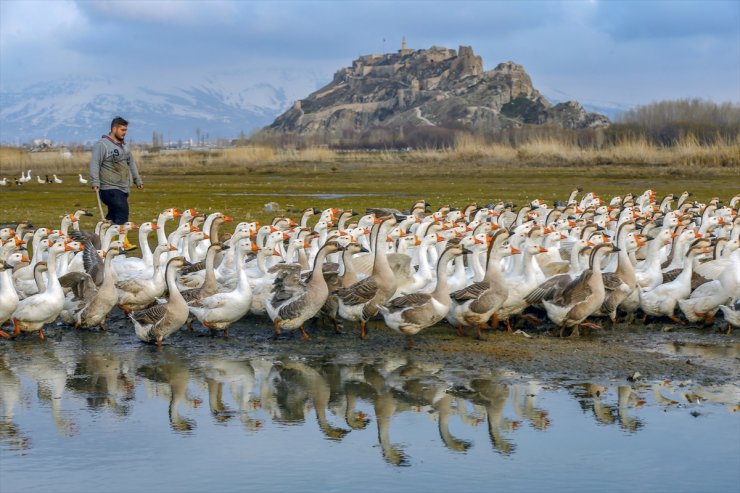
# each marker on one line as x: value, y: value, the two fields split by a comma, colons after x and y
x: 709, y: 351
x: 92, y: 411
x: 321, y: 196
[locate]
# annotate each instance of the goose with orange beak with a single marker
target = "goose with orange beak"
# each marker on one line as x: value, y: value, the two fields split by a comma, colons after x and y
x: 34, y: 312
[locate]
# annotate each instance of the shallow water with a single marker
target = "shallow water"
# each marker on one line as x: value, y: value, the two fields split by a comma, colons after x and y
x: 91, y: 411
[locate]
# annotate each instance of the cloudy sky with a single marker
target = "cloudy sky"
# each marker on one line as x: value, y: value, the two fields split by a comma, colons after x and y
x: 610, y: 52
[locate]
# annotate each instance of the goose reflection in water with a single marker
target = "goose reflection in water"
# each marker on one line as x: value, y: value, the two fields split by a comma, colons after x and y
x: 299, y: 385
x: 590, y: 397
x: 239, y: 377
x: 345, y: 394
x: 42, y: 365
x: 11, y: 395
x: 102, y: 378
x: 168, y: 377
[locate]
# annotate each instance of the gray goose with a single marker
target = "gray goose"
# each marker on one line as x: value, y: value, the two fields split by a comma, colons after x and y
x: 89, y: 304
x: 413, y: 312
x: 618, y: 285
x: 346, y: 279
x: 360, y: 301
x: 475, y: 304
x: 157, y: 323
x: 295, y: 301
x: 581, y: 297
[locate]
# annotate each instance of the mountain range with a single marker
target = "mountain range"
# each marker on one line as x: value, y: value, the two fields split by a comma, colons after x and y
x: 78, y: 110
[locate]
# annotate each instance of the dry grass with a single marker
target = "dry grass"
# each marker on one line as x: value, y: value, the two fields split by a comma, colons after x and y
x: 13, y: 161
x: 467, y: 150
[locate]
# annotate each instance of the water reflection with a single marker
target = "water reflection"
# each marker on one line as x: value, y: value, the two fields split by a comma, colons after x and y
x: 343, y: 397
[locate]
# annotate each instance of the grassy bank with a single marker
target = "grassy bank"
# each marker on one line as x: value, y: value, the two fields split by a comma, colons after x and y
x: 243, y: 190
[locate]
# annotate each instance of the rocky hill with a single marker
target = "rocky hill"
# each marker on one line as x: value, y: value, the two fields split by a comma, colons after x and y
x: 430, y: 87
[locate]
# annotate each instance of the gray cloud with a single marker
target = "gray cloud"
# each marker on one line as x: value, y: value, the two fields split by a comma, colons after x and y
x: 617, y: 51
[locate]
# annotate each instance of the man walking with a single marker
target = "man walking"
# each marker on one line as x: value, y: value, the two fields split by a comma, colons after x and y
x: 112, y: 171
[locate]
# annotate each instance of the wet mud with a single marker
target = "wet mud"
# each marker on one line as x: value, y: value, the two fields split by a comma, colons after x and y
x: 658, y: 351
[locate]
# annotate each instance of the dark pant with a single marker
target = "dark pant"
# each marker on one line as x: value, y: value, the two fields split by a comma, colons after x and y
x: 117, y: 202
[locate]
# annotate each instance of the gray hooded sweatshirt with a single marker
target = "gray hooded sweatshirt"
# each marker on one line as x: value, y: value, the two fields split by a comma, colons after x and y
x: 112, y: 166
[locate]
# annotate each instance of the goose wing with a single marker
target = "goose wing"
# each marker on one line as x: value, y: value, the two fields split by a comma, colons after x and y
x: 408, y: 301
x: 194, y: 267
x: 671, y: 275
x: 612, y: 281
x: 151, y: 316
x: 292, y: 309
x: 287, y: 282
x: 92, y: 262
x: 576, y: 291
x: 360, y: 292
x: 82, y: 285
x: 548, y: 289
x: 472, y: 292
x: 131, y: 285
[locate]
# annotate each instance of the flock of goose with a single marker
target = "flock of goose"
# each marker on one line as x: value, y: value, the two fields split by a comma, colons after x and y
x: 26, y: 177
x: 476, y: 267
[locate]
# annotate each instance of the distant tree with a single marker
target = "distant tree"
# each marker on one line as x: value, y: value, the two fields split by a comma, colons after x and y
x: 667, y: 123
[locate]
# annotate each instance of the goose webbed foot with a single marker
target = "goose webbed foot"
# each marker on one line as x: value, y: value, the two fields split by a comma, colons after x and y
x: 4, y: 334
x: 530, y: 318
x: 478, y: 331
x: 409, y: 343
x: 304, y: 334
x: 591, y: 325
x: 278, y: 331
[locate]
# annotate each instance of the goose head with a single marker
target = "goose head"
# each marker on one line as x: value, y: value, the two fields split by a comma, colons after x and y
x: 16, y: 259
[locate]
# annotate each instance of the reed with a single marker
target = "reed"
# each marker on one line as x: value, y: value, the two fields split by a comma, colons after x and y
x: 467, y: 149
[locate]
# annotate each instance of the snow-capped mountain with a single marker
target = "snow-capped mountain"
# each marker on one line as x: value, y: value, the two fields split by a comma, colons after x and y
x: 79, y: 110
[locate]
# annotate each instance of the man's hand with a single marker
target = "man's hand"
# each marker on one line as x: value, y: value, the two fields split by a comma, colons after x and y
x: 140, y: 186
x: 95, y: 189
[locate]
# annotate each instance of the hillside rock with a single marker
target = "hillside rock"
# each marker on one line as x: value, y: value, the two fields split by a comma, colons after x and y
x: 430, y: 87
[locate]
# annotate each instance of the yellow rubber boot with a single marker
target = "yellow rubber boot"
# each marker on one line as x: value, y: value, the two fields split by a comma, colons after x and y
x: 128, y: 246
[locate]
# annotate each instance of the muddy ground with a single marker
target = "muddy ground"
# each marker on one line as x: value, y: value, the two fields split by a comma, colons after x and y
x: 657, y: 351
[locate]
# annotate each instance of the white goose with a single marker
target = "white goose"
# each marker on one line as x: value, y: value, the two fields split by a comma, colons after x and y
x: 34, y: 312
x: 520, y: 286
x: 219, y: 311
x: 82, y: 180
x: 8, y: 297
x: 662, y: 300
x: 128, y: 267
x: 57, y: 180
x: 707, y: 298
